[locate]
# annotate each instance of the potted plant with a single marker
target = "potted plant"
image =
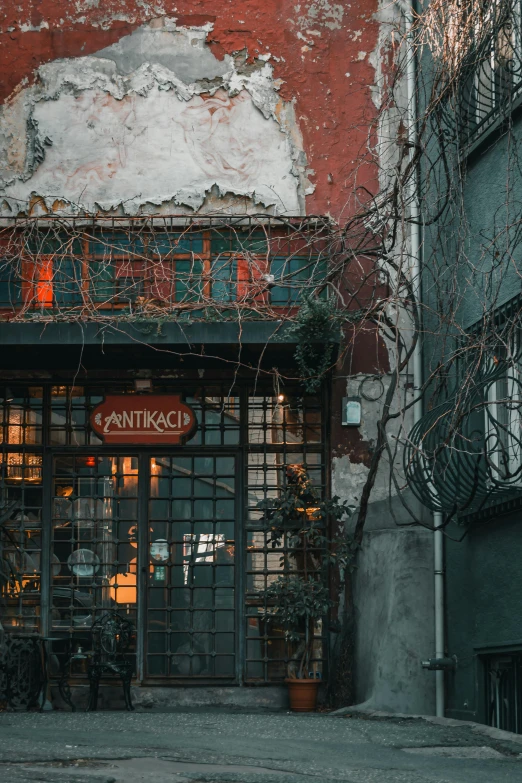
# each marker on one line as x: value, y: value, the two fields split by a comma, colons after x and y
x: 298, y: 522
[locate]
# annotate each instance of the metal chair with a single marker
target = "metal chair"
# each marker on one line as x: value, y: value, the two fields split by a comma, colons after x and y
x: 112, y: 636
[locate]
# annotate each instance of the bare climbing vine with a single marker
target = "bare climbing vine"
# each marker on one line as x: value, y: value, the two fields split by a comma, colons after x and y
x: 317, y: 278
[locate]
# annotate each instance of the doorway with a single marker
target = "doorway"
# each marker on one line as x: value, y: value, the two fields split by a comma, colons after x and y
x: 151, y: 536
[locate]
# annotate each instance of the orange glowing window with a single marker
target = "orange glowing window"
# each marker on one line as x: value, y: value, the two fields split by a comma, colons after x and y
x: 37, y: 282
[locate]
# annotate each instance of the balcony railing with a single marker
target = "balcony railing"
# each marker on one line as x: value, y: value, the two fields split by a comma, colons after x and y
x: 491, y: 81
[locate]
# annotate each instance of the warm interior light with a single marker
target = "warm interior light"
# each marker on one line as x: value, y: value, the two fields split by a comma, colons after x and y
x: 90, y: 462
x: 123, y: 586
x: 22, y: 466
x: 143, y: 385
x: 280, y: 397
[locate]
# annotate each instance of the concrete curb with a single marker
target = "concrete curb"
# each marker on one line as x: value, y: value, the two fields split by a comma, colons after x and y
x: 477, y: 728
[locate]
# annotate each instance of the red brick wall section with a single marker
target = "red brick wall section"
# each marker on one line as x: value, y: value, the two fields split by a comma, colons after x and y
x: 317, y: 43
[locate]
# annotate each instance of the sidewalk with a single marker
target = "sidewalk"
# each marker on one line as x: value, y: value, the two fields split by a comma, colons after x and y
x: 231, y: 747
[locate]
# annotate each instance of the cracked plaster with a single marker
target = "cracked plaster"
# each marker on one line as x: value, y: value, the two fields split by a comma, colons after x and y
x: 320, y: 13
x: 154, y: 119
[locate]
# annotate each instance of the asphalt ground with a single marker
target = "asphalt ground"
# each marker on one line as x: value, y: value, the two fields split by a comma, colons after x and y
x: 231, y: 747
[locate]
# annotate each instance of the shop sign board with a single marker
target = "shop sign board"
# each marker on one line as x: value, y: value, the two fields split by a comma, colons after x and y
x: 148, y: 419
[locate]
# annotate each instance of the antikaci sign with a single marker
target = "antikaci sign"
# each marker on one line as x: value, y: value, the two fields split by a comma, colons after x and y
x: 150, y: 419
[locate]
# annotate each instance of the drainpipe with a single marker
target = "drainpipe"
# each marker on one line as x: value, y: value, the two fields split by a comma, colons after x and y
x: 415, y: 240
x: 438, y: 552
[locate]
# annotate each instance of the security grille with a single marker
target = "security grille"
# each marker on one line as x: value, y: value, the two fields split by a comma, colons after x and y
x: 283, y: 430
x: 504, y: 691
x: 492, y: 72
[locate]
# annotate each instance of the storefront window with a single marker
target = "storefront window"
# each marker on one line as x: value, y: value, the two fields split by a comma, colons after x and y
x: 20, y: 507
x: 153, y: 533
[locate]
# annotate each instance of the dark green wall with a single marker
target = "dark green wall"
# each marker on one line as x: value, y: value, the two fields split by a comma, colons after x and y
x: 483, y: 604
x: 493, y: 207
x: 484, y: 571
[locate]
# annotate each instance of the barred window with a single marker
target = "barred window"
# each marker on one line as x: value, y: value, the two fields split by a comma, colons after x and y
x: 492, y: 68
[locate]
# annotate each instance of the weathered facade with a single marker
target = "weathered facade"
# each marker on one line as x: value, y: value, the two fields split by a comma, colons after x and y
x: 482, y: 545
x: 169, y: 179
x: 465, y: 452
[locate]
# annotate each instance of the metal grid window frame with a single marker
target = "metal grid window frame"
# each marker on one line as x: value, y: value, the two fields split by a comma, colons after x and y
x: 191, y: 628
x: 153, y: 267
x: 278, y: 430
x: 258, y: 442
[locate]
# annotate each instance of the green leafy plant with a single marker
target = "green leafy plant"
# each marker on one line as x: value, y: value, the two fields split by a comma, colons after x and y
x: 299, y: 598
x: 316, y: 328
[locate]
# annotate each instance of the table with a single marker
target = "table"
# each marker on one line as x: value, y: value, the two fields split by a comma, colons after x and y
x: 63, y: 684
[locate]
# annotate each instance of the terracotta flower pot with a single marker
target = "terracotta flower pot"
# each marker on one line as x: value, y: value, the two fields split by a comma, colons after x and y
x: 302, y: 694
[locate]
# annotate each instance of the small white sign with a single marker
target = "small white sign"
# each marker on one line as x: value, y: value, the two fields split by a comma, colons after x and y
x: 159, y: 551
x: 351, y: 413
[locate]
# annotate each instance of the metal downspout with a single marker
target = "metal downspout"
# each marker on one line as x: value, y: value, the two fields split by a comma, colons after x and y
x: 438, y: 553
x: 415, y: 240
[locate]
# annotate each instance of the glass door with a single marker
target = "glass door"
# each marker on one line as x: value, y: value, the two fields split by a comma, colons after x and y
x: 152, y: 538
x: 190, y: 614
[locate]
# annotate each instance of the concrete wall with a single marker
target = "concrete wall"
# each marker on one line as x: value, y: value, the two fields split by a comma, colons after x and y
x: 393, y: 581
x: 394, y: 600
x: 181, y: 697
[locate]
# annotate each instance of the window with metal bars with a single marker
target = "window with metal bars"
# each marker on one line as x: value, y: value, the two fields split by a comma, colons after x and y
x: 21, y: 499
x: 283, y: 430
x: 502, y: 412
x: 492, y: 74
x: 503, y: 688
x: 150, y: 270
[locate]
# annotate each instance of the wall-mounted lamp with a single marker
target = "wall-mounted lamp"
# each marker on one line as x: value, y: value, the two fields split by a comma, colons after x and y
x: 351, y: 412
x: 142, y: 385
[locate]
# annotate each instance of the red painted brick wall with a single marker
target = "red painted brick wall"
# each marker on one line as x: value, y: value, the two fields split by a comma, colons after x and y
x: 317, y: 44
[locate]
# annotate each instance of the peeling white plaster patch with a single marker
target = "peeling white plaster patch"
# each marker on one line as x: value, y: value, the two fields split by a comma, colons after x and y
x: 76, y: 13
x: 95, y: 135
x: 27, y: 27
x: 348, y: 479
x: 361, y: 56
x: 319, y: 13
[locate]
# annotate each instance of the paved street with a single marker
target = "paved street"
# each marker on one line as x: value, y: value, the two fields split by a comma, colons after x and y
x: 231, y: 747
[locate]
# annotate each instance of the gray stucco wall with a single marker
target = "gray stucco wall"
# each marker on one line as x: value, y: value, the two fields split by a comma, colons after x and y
x: 394, y: 612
